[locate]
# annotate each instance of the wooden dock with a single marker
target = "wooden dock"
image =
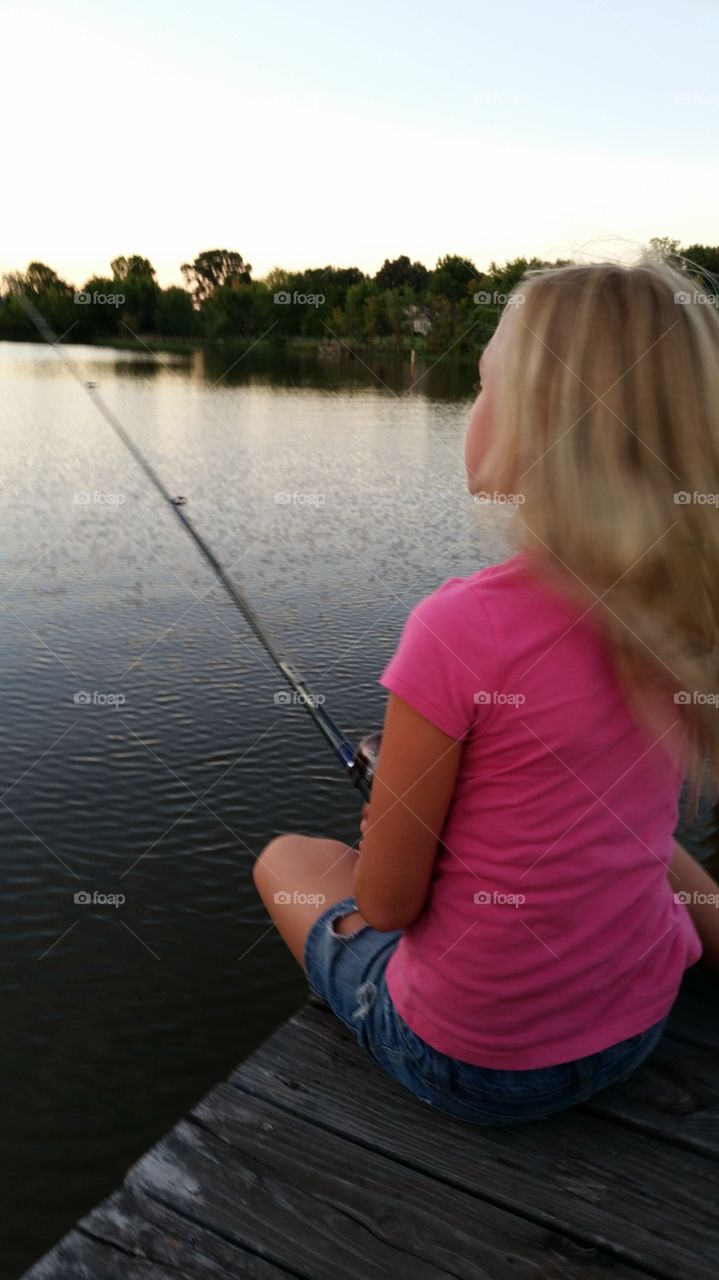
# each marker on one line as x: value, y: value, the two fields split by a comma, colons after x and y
x: 309, y: 1163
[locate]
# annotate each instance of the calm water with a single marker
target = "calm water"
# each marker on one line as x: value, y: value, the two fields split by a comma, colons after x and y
x: 116, y: 1018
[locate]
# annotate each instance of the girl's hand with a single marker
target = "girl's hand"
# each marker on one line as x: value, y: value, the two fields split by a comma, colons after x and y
x: 411, y: 797
x: 363, y: 823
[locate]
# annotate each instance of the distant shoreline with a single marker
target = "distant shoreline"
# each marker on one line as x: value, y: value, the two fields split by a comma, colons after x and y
x: 347, y: 352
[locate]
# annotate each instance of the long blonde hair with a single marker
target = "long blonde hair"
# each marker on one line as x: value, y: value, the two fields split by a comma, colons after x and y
x: 607, y: 429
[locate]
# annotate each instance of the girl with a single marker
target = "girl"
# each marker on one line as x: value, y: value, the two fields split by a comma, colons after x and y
x: 513, y: 933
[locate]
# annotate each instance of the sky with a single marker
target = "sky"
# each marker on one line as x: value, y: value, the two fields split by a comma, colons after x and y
x: 314, y: 132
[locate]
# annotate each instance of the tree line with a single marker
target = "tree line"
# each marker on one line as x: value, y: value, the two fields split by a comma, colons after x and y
x: 453, y: 305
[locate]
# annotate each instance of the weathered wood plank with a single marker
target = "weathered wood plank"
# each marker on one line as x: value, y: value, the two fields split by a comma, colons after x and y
x: 131, y: 1237
x: 654, y: 1204
x: 312, y: 1164
x: 311, y: 1200
x: 77, y: 1257
x: 674, y: 1094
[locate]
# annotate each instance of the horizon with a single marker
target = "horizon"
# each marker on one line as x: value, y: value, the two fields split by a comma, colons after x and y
x: 623, y: 249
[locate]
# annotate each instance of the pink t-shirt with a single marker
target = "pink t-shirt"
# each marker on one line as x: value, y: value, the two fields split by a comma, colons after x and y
x: 550, y: 930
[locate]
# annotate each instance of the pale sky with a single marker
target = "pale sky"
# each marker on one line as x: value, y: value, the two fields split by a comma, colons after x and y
x: 309, y: 132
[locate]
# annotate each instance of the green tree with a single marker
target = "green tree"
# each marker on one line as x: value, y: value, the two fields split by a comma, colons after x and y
x: 96, y: 319
x: 52, y: 296
x: 328, y: 286
x: 338, y: 324
x: 704, y: 256
x: 452, y: 286
x: 236, y: 310
x: 132, y: 267
x: 454, y: 278
x: 355, y: 302
x: 664, y: 246
x: 175, y: 316
x: 374, y: 316
x: 40, y: 279
x: 400, y: 273
x: 337, y: 280
x: 15, y: 323
x: 396, y: 303
x: 702, y: 262
x: 443, y: 330
x: 134, y: 278
x: 277, y: 280
x: 213, y: 268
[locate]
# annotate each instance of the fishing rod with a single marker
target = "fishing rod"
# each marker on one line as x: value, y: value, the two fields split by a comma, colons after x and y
x: 358, y: 764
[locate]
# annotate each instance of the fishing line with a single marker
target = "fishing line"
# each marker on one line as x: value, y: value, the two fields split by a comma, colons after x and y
x: 359, y: 764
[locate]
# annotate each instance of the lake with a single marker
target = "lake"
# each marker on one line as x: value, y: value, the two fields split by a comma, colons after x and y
x: 145, y: 754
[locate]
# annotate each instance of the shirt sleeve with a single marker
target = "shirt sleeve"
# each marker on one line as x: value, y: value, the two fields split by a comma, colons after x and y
x: 445, y: 659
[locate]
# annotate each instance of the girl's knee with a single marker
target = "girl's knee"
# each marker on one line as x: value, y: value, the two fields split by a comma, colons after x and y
x: 273, y: 856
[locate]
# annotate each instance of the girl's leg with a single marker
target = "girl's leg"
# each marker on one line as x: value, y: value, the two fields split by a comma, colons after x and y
x: 701, y: 895
x: 298, y: 878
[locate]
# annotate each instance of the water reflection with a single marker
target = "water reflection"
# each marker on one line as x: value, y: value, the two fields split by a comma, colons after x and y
x: 338, y: 368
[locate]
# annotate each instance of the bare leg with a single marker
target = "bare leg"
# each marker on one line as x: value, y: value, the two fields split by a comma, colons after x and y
x: 298, y: 878
x: 686, y: 876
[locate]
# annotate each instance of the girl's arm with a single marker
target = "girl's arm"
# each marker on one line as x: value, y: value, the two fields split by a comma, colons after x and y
x: 701, y: 895
x: 411, y: 794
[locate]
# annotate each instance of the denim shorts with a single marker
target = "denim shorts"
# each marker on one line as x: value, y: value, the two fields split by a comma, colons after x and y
x: 347, y: 971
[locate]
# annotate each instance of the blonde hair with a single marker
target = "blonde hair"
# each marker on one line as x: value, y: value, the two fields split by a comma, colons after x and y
x: 607, y: 429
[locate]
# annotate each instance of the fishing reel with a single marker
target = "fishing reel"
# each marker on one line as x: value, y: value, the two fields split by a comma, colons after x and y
x: 365, y: 761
